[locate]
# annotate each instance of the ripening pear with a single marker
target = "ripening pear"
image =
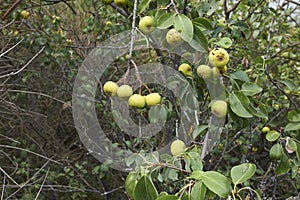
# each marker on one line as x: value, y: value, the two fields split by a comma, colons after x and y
x: 186, y: 69
x: 152, y: 99
x: 204, y: 71
x: 110, y: 88
x: 215, y: 73
x: 218, y: 57
x: 219, y: 108
x: 173, y: 38
x: 137, y: 101
x: 177, y: 147
x: 124, y: 92
x: 146, y: 24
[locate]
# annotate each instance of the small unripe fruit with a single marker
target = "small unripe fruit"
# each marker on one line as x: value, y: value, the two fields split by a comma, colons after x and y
x: 108, y: 23
x: 24, y: 14
x: 177, y: 147
x: 204, y: 71
x: 265, y: 129
x: 146, y: 24
x: 222, y: 22
x: 110, y: 88
x: 215, y: 72
x: 137, y: 101
x: 124, y: 92
x: 218, y: 57
x: 219, y: 108
x: 121, y: 3
x: 223, y: 69
x: 153, y: 99
x: 186, y: 69
x: 173, y: 38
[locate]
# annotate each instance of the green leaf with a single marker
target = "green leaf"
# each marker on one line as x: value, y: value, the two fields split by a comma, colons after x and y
x: 291, y: 145
x: 259, y: 111
x: 167, y: 197
x: 198, y: 191
x: 292, y: 126
x: 294, y: 115
x: 166, y: 20
x: 289, y: 83
x: 242, y: 173
x: 203, y: 23
x: 199, y: 41
x: 224, y: 42
x: 272, y: 136
x: 184, y: 25
x: 250, y: 89
x: 198, y: 130
x: 217, y: 183
x: 237, y: 101
x: 197, y: 174
x: 143, y: 4
x: 276, y: 151
x: 240, y: 75
x: 284, y: 165
x: 194, y: 160
x: 145, y: 189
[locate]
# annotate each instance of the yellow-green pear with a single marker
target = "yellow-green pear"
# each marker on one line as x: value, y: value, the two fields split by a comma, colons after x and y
x: 110, y: 88
x: 215, y: 73
x: 265, y: 129
x: 124, y: 92
x: 146, y: 24
x: 218, y: 57
x: 219, y: 108
x: 186, y: 69
x: 153, y: 99
x: 137, y: 101
x: 177, y: 147
x: 173, y: 38
x: 121, y: 3
x: 204, y: 71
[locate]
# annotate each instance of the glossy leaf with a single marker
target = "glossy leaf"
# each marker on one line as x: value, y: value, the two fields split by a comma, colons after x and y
x: 250, y: 89
x: 145, y: 189
x: 284, y: 165
x: 199, y: 41
x: 217, y: 183
x: 294, y: 115
x: 292, y: 126
x: 198, y: 191
x: 203, y: 23
x: 184, y: 25
x: 237, y: 101
x: 272, y: 136
x: 242, y: 173
x: 165, y: 20
x: 224, y: 42
x: 276, y: 151
x: 240, y: 75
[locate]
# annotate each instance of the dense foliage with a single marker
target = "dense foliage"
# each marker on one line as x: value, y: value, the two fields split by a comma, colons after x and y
x: 44, y: 43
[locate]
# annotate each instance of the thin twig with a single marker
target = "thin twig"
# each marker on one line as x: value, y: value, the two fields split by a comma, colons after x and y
x: 11, y: 48
x: 43, y: 183
x: 37, y: 154
x: 10, y: 178
x: 14, y: 73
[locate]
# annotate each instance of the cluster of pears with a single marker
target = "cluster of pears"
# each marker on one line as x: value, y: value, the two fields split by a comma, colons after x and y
x: 218, y: 58
x: 125, y: 92
x: 147, y: 25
